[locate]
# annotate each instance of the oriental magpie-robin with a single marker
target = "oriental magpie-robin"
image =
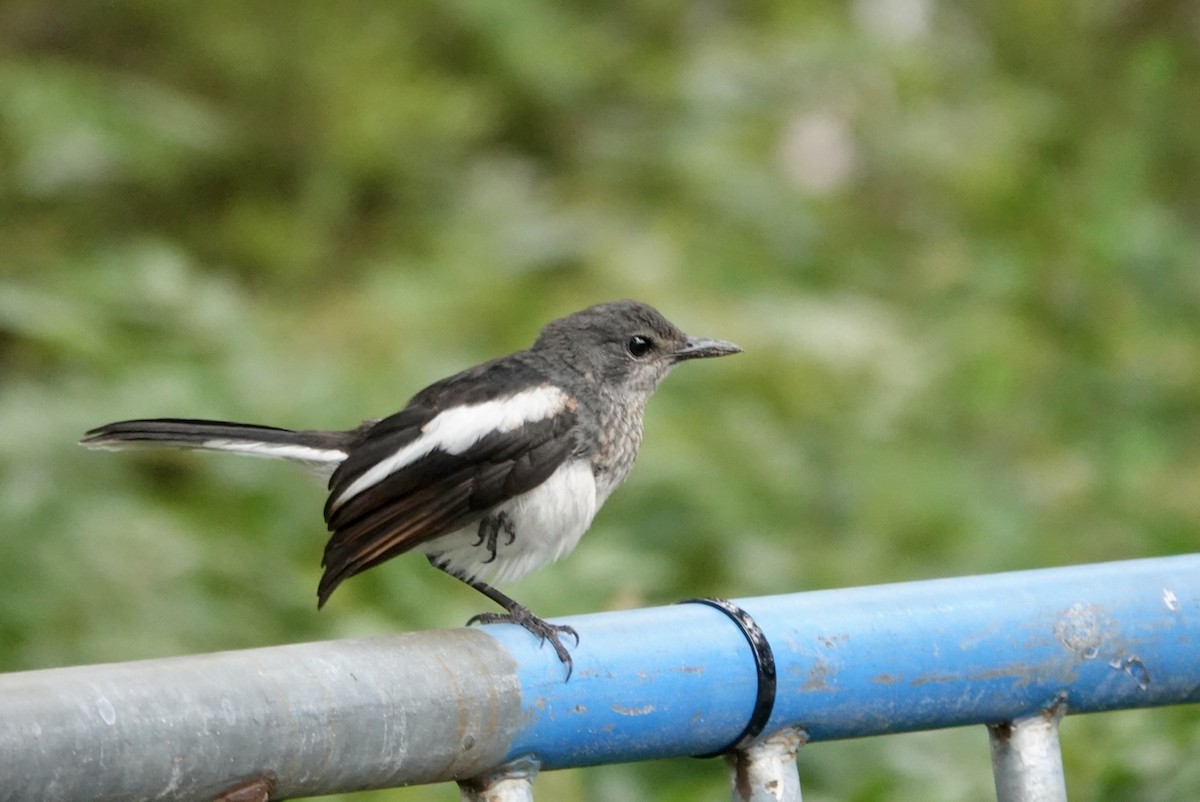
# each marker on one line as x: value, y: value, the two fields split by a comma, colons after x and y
x: 492, y: 472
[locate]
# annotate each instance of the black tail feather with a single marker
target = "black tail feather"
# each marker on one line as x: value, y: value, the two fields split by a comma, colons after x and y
x: 319, y: 450
x: 183, y: 432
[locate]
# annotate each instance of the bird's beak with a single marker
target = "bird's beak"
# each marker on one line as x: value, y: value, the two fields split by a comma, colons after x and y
x: 697, y: 347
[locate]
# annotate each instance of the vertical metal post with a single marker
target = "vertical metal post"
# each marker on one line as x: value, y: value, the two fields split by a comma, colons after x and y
x: 766, y: 770
x: 1026, y: 759
x: 509, y: 783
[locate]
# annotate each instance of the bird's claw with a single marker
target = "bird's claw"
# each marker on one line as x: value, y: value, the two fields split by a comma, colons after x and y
x: 544, y: 630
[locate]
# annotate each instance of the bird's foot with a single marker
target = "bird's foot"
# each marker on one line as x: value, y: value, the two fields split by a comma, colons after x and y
x: 545, y: 631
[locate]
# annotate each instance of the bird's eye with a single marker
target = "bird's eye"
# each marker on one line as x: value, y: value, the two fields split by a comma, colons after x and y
x: 639, y: 346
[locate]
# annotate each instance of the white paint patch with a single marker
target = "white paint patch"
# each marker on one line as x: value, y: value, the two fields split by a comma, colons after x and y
x: 548, y: 521
x: 108, y: 713
x: 457, y: 429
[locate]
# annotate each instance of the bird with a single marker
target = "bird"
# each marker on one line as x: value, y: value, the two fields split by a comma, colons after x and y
x: 492, y: 472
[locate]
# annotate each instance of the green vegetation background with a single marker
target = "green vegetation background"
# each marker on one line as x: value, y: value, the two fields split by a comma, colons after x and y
x: 958, y: 241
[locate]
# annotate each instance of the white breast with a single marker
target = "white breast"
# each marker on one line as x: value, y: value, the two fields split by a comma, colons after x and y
x: 548, y: 522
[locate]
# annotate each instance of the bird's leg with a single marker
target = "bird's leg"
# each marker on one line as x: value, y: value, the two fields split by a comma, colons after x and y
x: 489, y: 533
x: 521, y: 615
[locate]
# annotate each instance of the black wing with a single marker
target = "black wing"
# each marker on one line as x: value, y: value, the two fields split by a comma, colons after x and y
x: 439, y: 492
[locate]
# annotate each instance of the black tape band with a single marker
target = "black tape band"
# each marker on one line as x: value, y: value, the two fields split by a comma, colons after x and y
x: 764, y: 662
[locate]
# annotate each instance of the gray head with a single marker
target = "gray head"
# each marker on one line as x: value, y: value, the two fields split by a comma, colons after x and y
x: 624, y: 343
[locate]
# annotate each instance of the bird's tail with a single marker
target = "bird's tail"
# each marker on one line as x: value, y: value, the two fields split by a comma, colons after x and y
x: 322, y: 451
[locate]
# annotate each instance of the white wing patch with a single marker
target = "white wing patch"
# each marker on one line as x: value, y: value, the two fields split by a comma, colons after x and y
x: 457, y: 429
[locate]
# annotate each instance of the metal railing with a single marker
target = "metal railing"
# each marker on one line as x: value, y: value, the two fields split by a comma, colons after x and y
x: 487, y: 708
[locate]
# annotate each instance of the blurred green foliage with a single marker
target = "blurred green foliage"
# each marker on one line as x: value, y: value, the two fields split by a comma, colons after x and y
x: 958, y: 241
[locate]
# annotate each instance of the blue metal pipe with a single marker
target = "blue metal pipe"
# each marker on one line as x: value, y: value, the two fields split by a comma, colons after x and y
x: 321, y: 718
x: 866, y: 661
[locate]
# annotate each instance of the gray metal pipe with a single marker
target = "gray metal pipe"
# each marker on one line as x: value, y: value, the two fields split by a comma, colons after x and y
x: 307, y: 719
x: 1027, y: 760
x: 510, y: 783
x: 766, y: 771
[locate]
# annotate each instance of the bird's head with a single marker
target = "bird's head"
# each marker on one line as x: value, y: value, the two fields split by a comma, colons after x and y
x: 624, y: 343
